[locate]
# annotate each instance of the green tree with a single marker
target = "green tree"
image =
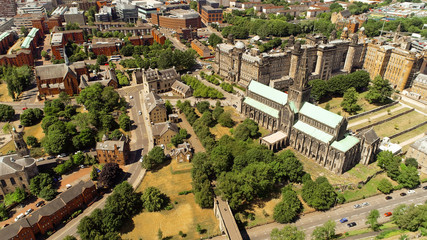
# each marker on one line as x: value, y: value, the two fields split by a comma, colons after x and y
x: 214, y: 40
x: 204, y: 196
x: 411, y: 162
x: 380, y: 91
x: 410, y: 217
x: 32, y: 141
x: 6, y: 112
x: 384, y: 158
x: 349, y: 102
x: 124, y: 201
x: 47, y: 193
x: 154, y: 157
x: 288, y: 209
x: 124, y: 122
x: 57, y: 140
x: 217, y: 112
x: 319, y: 89
x: 153, y: 200
x: 325, y: 232
x: 203, y: 106
x: 7, y: 128
x: 94, y: 174
x: 385, y: 186
x: 372, y: 219
x: 31, y: 116
x: 101, y: 59
x: 85, y: 139
x: 319, y: 194
x: 127, y: 50
x: 65, y: 98
x: 247, y: 129
x: 39, y: 182
x: 159, y: 234
x: 288, y: 232
x: 4, y: 214
x: 225, y: 120
x: 24, y: 31
x: 409, y: 177
x: 288, y: 167
x: 68, y: 237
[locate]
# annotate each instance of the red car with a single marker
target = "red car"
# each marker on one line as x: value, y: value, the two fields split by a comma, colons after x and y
x: 24, y: 108
x: 387, y: 214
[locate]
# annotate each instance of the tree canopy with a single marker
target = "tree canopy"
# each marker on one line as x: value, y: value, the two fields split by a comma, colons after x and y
x: 110, y: 175
x: 288, y: 232
x: 380, y: 91
x: 154, y: 157
x: 6, y: 112
x: 289, y: 208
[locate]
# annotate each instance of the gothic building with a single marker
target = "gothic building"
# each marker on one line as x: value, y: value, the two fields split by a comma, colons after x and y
x: 309, y: 129
x: 278, y: 67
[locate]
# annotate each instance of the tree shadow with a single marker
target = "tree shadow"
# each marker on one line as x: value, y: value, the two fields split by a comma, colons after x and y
x: 158, y: 167
x: 128, y: 226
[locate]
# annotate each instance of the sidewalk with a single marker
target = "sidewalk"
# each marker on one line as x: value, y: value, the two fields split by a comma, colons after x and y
x: 376, y: 116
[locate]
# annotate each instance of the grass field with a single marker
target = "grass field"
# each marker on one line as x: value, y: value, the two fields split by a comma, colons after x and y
x: 367, y: 190
x: 185, y: 215
x: 375, y: 113
x: 399, y: 124
x: 410, y: 134
x: 35, y: 131
x: 375, y: 120
x: 219, y: 130
x: 335, y: 103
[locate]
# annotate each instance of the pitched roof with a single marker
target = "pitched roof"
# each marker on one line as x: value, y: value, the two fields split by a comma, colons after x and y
x: 345, y: 13
x: 153, y: 100
x: 312, y: 131
x: 109, y: 145
x: 322, y: 115
x: 159, y: 129
x: 346, y: 143
x: 180, y: 86
x: 13, y: 229
x: 262, y: 107
x: 52, y: 71
x: 72, y: 193
x: 268, y: 92
x: 370, y: 135
x: 13, y: 163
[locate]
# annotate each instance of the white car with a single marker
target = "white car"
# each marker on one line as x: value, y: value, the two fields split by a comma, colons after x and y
x: 68, y: 186
x: 40, y: 159
x: 19, y: 217
x: 411, y: 191
x: 141, y: 159
x: 139, y: 113
x: 131, y: 97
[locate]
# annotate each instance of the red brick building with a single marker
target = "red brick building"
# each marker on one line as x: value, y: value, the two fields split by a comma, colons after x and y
x: 201, y: 49
x: 52, y: 214
x: 56, y: 78
x: 145, y: 40
x: 107, y: 49
x: 22, y: 57
x: 41, y: 24
x: 177, y: 18
x: 54, y: 21
x: 7, y: 39
x: 113, y: 151
x: 211, y: 15
x: 158, y: 36
x: 186, y: 34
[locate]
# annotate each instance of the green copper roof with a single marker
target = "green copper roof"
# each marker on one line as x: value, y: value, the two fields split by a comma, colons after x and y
x: 268, y: 92
x: 3, y: 35
x: 312, y: 131
x: 33, y: 32
x: 262, y: 107
x: 346, y: 143
x: 26, y: 43
x: 322, y: 115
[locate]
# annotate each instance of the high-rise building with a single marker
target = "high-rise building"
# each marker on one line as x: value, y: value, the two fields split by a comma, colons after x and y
x: 8, y: 8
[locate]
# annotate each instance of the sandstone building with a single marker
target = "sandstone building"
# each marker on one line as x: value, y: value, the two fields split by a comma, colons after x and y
x: 159, y: 81
x: 156, y: 108
x: 278, y: 68
x: 164, y: 132
x: 418, y: 150
x: 309, y: 129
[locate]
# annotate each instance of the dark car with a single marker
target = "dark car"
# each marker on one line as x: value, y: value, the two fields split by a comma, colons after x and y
x: 39, y: 204
x: 388, y: 197
x: 352, y: 224
x: 403, y: 194
x: 425, y: 187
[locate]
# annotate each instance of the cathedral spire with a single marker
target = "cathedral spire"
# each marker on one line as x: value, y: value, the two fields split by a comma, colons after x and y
x: 303, y: 72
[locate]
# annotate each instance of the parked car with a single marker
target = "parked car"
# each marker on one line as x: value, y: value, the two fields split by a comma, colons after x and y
x: 343, y: 220
x: 365, y: 204
x: 19, y: 217
x: 63, y: 155
x: 357, y: 206
x: 411, y: 191
x: 19, y: 126
x: 68, y: 186
x: 403, y: 194
x: 388, y: 197
x: 352, y: 224
x: 29, y: 211
x: 141, y: 159
x: 82, y: 166
x: 50, y: 157
x: 24, y: 108
x: 387, y: 214
x: 39, y: 204
x: 139, y: 113
x: 131, y: 97
x: 40, y: 159
x: 425, y: 187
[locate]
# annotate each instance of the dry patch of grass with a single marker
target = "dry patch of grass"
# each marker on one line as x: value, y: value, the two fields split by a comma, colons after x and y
x: 399, y: 124
x: 185, y: 215
x: 220, y: 131
x: 410, y: 134
x: 35, y: 131
x: 375, y: 113
x: 4, y: 94
x: 380, y: 118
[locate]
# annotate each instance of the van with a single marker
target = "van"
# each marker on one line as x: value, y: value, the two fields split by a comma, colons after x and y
x: 19, y: 217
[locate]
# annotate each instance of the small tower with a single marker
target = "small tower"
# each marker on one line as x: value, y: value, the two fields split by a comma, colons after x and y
x: 349, y: 60
x: 333, y: 35
x: 20, y: 145
x: 396, y: 34
x: 344, y: 34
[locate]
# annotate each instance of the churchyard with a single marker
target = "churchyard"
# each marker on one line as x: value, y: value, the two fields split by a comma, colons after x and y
x: 184, y: 216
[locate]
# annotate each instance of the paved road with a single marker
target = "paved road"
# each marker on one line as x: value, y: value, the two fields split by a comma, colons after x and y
x: 312, y: 220
x: 139, y: 140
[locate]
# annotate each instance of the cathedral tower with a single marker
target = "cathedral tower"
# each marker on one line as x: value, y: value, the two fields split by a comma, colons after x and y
x: 299, y: 92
